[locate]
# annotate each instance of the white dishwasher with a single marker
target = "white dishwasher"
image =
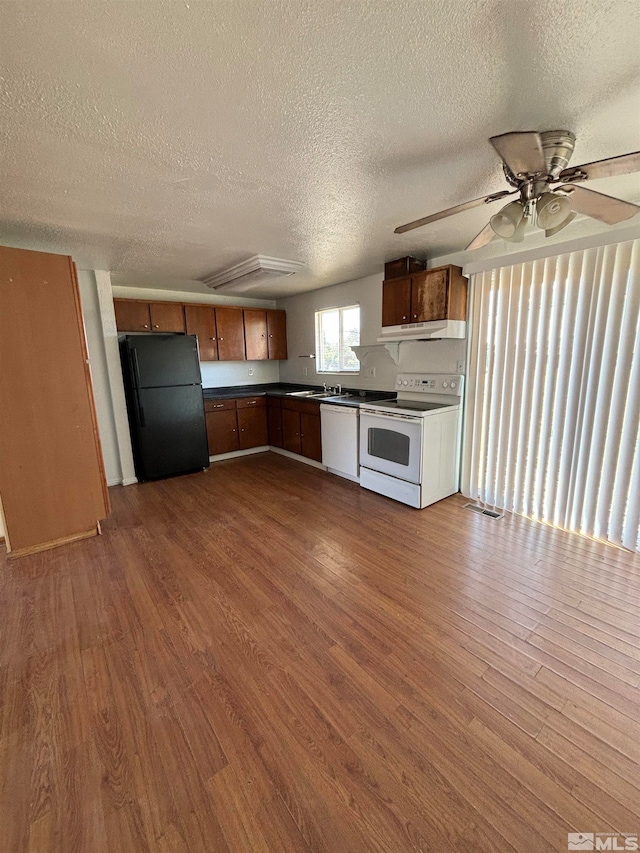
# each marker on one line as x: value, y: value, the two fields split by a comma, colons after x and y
x: 340, y: 439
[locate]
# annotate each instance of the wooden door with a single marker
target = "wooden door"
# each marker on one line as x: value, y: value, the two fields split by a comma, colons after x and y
x: 132, y: 316
x: 200, y: 320
x: 277, y: 334
x: 310, y: 436
x: 222, y: 431
x: 255, y: 334
x: 274, y: 420
x: 291, y: 430
x: 252, y: 427
x: 396, y: 301
x: 429, y: 295
x: 230, y: 326
x: 52, y: 483
x: 167, y: 317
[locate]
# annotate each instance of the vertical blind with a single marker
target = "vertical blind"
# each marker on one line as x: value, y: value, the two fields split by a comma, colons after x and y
x: 552, y: 416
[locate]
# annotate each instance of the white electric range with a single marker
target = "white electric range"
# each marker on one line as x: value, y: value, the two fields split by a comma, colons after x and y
x: 410, y: 447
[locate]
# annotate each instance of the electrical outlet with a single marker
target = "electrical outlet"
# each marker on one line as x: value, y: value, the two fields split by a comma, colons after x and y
x: 250, y: 371
x: 305, y: 371
x: 372, y: 373
x: 460, y: 366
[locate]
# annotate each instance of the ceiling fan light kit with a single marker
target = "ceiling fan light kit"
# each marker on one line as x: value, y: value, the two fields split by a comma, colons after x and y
x: 532, y: 162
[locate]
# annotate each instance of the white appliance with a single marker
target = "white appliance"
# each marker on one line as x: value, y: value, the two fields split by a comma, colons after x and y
x: 410, y: 447
x: 339, y: 426
x: 426, y: 331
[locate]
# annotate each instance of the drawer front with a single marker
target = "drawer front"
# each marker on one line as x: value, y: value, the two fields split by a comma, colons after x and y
x: 218, y: 405
x: 251, y: 402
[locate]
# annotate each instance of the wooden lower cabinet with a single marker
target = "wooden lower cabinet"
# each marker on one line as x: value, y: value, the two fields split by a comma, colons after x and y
x: 310, y: 436
x: 222, y: 431
x: 252, y: 428
x: 301, y: 428
x: 274, y: 421
x: 291, y: 431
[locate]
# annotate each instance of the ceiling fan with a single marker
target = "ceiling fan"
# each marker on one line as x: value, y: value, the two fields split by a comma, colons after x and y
x: 532, y: 163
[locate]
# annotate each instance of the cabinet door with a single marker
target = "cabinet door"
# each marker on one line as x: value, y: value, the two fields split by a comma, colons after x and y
x: 167, y: 317
x: 132, y: 316
x: 291, y: 430
x: 274, y: 419
x: 429, y: 295
x: 222, y: 431
x: 255, y: 334
x: 201, y: 321
x: 230, y: 326
x: 310, y: 436
x: 396, y: 301
x: 252, y: 427
x: 277, y: 334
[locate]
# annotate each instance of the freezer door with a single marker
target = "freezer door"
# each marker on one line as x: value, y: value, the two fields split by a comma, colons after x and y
x: 171, y: 431
x: 160, y: 360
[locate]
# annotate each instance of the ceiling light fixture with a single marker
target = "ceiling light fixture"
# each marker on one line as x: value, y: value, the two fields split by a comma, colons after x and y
x: 552, y: 211
x: 505, y: 223
x: 250, y: 273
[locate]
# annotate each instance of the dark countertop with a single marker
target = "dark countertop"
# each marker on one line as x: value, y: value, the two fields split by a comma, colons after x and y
x: 282, y: 389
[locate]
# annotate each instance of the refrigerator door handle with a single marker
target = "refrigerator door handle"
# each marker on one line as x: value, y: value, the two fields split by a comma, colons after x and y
x: 139, y: 409
x: 136, y: 366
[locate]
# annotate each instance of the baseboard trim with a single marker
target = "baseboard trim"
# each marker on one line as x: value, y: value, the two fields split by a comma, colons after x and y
x: 129, y: 482
x: 298, y: 458
x: 234, y: 454
x: 56, y: 543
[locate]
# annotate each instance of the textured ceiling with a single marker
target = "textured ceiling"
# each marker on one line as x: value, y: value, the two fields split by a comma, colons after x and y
x: 175, y: 139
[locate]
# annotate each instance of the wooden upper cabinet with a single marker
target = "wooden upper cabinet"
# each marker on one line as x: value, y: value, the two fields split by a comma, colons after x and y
x: 230, y: 326
x: 132, y: 316
x: 200, y: 320
x: 255, y: 334
x: 396, y: 301
x: 167, y: 317
x: 277, y: 334
x: 436, y: 294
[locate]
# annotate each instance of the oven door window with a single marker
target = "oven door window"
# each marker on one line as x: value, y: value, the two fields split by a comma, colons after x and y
x: 389, y: 444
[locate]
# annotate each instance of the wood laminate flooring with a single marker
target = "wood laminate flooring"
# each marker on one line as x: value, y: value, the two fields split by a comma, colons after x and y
x: 264, y: 657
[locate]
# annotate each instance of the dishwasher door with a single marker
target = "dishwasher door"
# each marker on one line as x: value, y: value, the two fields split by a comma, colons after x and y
x: 340, y: 439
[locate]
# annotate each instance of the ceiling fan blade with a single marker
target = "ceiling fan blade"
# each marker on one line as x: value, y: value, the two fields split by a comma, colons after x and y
x: 451, y: 211
x: 625, y: 164
x: 605, y: 208
x: 522, y: 152
x: 482, y: 239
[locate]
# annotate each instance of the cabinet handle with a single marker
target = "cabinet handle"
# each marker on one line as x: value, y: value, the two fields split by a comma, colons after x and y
x: 242, y: 430
x: 233, y: 430
x: 156, y: 326
x: 145, y: 326
x: 270, y: 336
x: 415, y: 316
x: 251, y: 402
x: 212, y: 339
x: 218, y: 405
x: 221, y: 339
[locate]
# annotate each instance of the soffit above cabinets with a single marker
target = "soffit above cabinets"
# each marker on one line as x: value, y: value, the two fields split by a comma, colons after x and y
x: 181, y: 139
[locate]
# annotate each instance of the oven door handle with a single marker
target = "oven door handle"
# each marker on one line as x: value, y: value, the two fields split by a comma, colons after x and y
x: 374, y: 413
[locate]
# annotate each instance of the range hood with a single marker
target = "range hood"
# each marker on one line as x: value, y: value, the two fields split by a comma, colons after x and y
x: 431, y: 331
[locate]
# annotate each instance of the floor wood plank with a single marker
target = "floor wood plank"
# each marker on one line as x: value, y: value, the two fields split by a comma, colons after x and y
x: 264, y: 657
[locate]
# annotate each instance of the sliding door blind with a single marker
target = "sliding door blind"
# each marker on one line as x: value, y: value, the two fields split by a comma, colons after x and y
x: 552, y: 427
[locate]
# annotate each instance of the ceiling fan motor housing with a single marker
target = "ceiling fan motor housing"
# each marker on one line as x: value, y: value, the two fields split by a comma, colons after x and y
x: 558, y: 148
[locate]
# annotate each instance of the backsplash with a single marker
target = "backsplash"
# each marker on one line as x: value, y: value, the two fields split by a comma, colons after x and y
x: 221, y: 374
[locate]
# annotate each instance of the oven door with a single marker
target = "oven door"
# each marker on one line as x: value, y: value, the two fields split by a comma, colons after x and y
x: 391, y: 444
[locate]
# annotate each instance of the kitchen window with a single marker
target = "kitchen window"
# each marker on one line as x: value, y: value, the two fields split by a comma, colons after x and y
x: 337, y: 330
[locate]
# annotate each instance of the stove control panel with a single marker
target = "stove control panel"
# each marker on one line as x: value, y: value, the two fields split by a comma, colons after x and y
x: 430, y: 383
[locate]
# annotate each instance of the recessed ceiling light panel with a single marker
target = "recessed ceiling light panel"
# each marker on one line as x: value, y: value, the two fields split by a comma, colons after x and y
x: 254, y: 271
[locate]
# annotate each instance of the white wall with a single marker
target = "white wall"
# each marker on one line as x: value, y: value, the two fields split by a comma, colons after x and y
x: 415, y: 356
x: 100, y: 376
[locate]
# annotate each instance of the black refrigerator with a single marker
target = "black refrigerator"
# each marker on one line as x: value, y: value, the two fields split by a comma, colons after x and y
x: 163, y: 388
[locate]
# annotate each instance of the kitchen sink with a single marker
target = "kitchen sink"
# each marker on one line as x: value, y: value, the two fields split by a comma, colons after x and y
x: 303, y: 393
x: 319, y: 395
